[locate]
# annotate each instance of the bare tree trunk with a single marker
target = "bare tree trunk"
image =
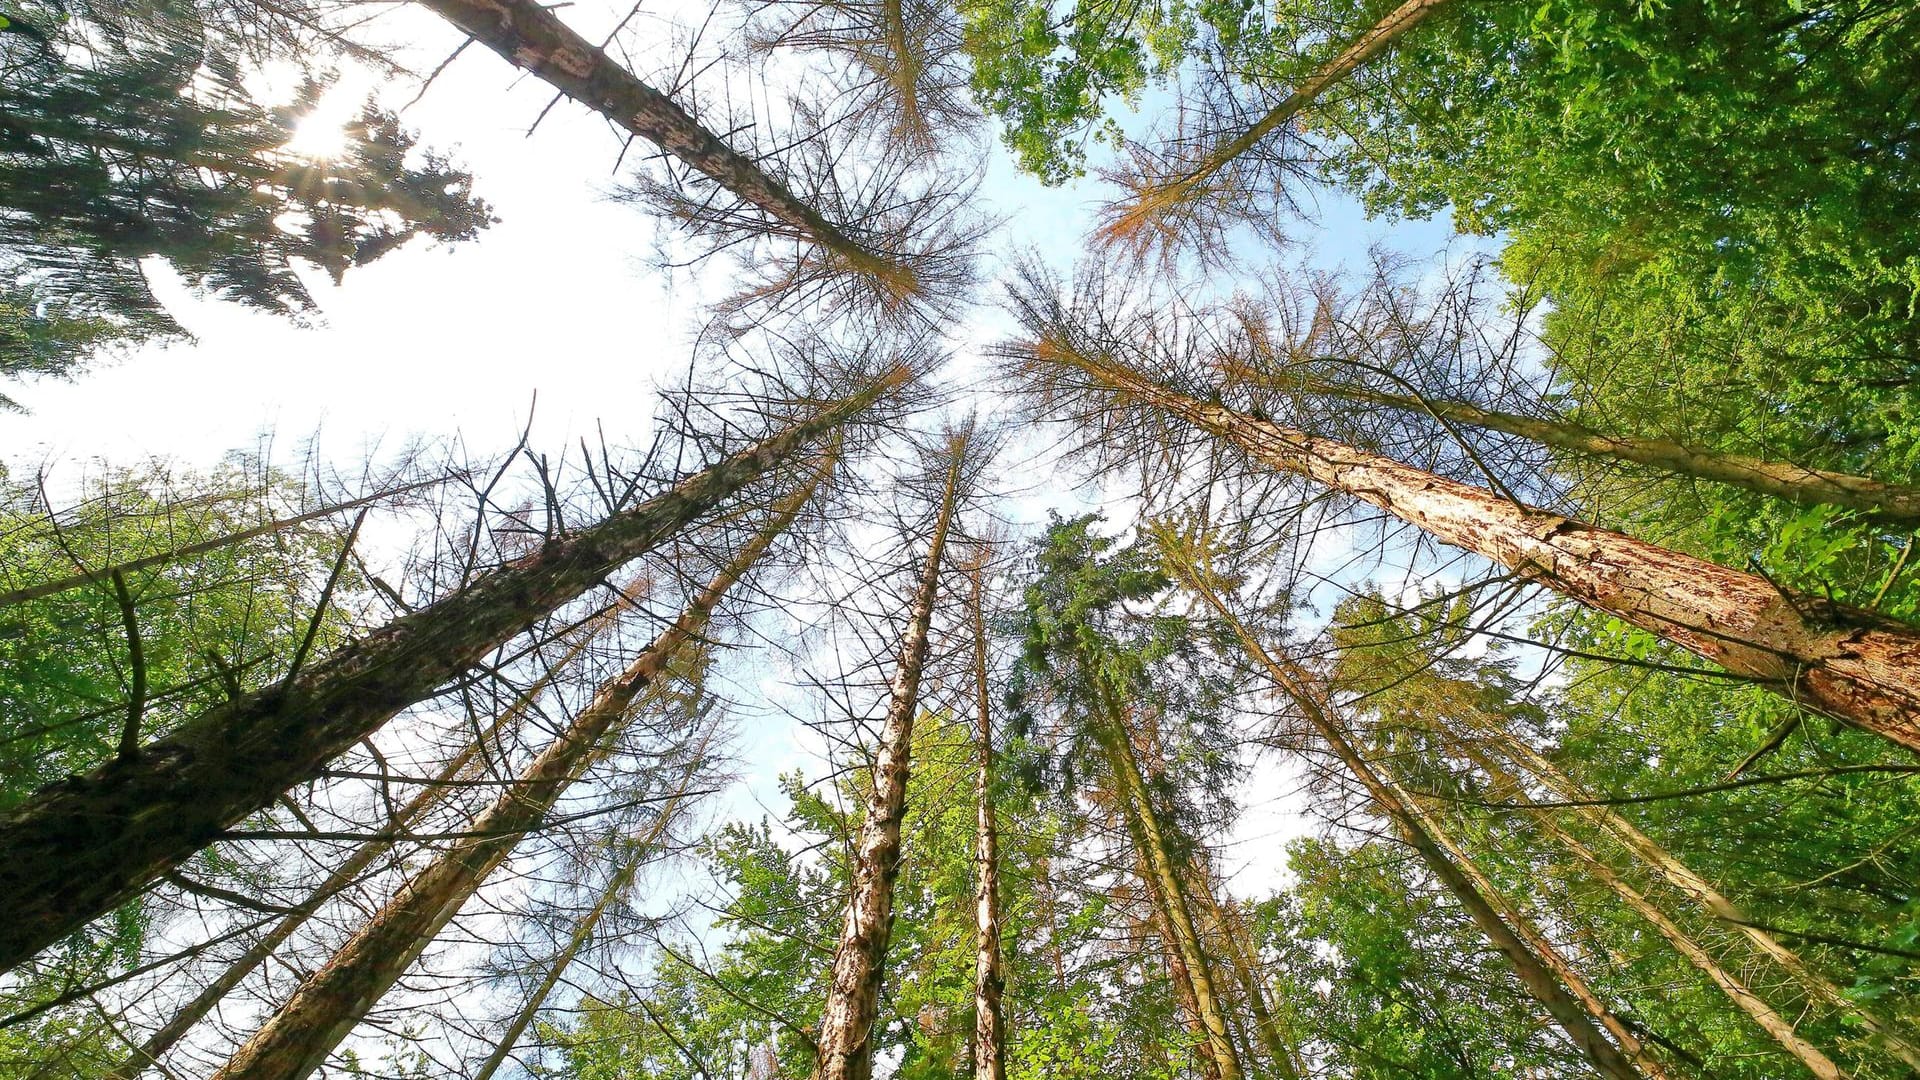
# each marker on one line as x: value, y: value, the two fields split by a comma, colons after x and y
x: 1177, y: 971
x: 1894, y: 504
x: 1682, y: 877
x: 989, y: 970
x: 88, y: 844
x: 1167, y: 885
x: 853, y: 995
x: 530, y: 36
x: 335, y: 998
x: 465, y: 765
x: 1841, y: 661
x: 1192, y: 184
x: 1237, y: 945
x: 643, y: 850
x: 1541, y: 972
x: 1775, y: 1025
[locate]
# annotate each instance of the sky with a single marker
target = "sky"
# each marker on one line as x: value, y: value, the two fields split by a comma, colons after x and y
x: 559, y: 300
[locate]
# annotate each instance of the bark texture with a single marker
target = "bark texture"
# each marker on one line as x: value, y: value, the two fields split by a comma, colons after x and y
x: 1845, y: 662
x: 468, y: 764
x: 853, y: 995
x: 531, y: 37
x: 86, y: 845
x: 330, y: 1002
x: 1893, y: 504
x: 989, y: 969
x: 1230, y: 929
x: 1542, y: 979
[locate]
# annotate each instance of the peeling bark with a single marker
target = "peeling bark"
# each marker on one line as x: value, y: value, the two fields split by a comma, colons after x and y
x: 329, y: 1003
x: 853, y: 994
x: 989, y: 970
x: 85, y: 845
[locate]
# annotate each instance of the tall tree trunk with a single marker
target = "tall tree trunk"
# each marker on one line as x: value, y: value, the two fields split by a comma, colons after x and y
x: 989, y: 969
x: 468, y: 764
x: 622, y: 880
x: 530, y: 36
x: 1181, y: 976
x: 1842, y: 661
x: 1776, y: 1026
x: 1537, y: 968
x: 1168, y: 886
x: 1237, y: 945
x: 1156, y: 200
x: 1683, y: 877
x: 1893, y: 504
x: 92, y: 842
x: 853, y: 996
x: 331, y: 1001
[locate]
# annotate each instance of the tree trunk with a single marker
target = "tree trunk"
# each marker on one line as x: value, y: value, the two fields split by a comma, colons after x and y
x: 1541, y: 971
x: 92, y: 842
x: 1237, y: 945
x: 1845, y: 662
x: 1892, y: 504
x: 853, y: 996
x: 1192, y: 184
x: 331, y: 1001
x: 1167, y: 886
x: 1775, y: 1025
x: 530, y: 36
x: 582, y: 933
x: 1682, y: 877
x: 989, y: 970
x: 465, y: 765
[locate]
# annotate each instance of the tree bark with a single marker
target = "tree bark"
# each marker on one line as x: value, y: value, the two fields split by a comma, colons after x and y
x: 330, y: 1002
x: 86, y: 845
x: 853, y: 995
x: 1776, y: 1026
x: 530, y: 36
x: 989, y: 970
x: 465, y: 765
x: 1892, y: 504
x: 582, y: 933
x: 1845, y: 662
x: 1330, y: 74
x: 1237, y: 945
x: 1571, y: 1009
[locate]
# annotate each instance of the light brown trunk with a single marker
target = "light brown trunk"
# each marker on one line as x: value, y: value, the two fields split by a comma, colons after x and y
x: 531, y: 37
x: 465, y: 765
x: 583, y: 932
x: 853, y: 996
x: 1894, y: 504
x: 90, y: 843
x: 1682, y: 877
x: 1538, y: 973
x: 1237, y: 945
x: 1167, y: 886
x: 1845, y: 662
x: 297, y: 1039
x: 1193, y: 183
x: 989, y: 971
x: 1775, y: 1025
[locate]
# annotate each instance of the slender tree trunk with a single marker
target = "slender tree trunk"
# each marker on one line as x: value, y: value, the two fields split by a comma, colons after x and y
x: 989, y: 970
x: 1178, y: 973
x: 1168, y: 886
x: 1682, y: 877
x: 853, y: 996
x: 1845, y: 662
x: 331, y: 1001
x: 1539, y: 974
x: 88, y: 844
x: 1776, y: 1026
x: 530, y: 36
x: 465, y: 765
x: 1237, y: 946
x: 1192, y: 184
x: 643, y: 850
x: 1893, y: 504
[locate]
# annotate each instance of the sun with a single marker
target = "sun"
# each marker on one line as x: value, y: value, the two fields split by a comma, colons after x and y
x: 321, y: 135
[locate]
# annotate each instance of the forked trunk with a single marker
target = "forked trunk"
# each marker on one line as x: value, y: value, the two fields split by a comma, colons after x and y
x: 1230, y: 929
x: 989, y: 970
x: 466, y: 765
x: 1842, y: 661
x: 92, y: 842
x: 297, y: 1039
x: 853, y: 996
